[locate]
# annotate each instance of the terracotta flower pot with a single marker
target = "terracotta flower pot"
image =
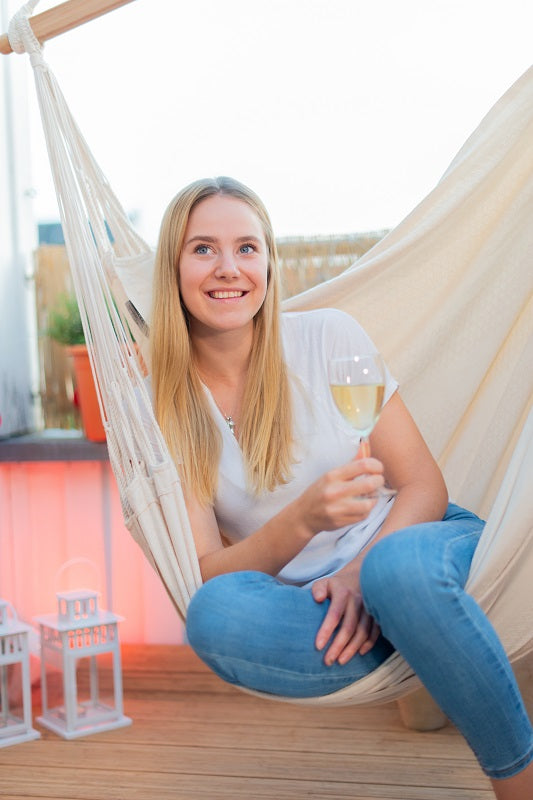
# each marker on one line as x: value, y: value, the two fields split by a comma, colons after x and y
x: 88, y: 399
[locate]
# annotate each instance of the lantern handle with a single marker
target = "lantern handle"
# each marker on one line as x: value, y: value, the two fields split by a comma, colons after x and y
x: 72, y: 562
x: 11, y: 607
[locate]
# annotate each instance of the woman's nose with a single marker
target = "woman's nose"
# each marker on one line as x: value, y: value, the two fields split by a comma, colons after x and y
x: 226, y: 266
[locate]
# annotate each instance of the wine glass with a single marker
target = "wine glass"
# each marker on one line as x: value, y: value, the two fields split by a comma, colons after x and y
x: 357, y: 384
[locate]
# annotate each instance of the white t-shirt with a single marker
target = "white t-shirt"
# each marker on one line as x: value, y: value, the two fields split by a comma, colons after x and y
x: 323, y: 441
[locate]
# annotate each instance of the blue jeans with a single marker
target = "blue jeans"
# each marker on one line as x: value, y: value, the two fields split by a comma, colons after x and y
x: 256, y: 632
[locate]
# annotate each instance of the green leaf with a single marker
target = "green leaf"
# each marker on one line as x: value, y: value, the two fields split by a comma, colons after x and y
x: 64, y: 322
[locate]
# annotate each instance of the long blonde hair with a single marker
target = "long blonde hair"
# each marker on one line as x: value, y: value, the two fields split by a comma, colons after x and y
x: 180, y: 402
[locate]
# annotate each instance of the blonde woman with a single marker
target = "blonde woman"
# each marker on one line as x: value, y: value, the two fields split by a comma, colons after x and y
x: 312, y: 577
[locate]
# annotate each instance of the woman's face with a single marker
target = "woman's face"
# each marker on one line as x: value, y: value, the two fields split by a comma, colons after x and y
x: 223, y: 265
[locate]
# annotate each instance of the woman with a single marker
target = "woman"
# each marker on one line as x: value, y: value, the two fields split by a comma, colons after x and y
x: 312, y: 578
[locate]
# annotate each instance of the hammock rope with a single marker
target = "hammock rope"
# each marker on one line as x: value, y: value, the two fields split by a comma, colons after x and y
x: 100, y: 241
x: 467, y: 244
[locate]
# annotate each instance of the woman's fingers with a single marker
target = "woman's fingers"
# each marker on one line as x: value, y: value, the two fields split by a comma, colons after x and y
x: 359, y: 479
x: 355, y: 632
x: 359, y: 466
x: 347, y: 621
x: 346, y: 501
x: 344, y: 635
x: 363, y: 640
x: 372, y: 639
x: 336, y: 611
x: 364, y: 486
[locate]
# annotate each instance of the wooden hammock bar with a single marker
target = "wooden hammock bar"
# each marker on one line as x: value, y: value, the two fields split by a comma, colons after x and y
x: 64, y: 17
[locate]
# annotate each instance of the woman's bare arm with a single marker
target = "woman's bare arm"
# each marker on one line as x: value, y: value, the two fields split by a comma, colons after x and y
x: 329, y: 503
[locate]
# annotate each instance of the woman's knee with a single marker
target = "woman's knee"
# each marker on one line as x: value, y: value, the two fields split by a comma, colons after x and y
x: 199, y: 624
x: 222, y: 611
x: 205, y: 623
x: 420, y: 565
x: 401, y: 569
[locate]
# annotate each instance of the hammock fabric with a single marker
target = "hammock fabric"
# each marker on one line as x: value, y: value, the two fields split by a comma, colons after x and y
x: 447, y: 296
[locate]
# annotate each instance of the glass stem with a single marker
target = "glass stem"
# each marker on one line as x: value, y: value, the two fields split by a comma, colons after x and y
x: 364, y: 448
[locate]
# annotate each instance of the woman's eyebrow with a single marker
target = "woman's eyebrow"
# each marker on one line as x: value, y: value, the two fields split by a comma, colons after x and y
x: 248, y: 239
x: 213, y: 239
x: 200, y: 239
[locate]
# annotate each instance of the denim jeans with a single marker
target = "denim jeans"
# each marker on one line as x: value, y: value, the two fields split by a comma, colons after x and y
x: 256, y: 632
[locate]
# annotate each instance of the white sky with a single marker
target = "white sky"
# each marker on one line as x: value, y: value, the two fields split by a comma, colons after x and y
x: 341, y: 114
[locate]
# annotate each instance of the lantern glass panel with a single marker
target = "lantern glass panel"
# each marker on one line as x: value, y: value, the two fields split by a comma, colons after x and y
x: 95, y: 685
x: 55, y: 686
x: 11, y: 701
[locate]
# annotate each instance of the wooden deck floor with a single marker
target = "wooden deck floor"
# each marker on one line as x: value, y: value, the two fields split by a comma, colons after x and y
x: 195, y: 737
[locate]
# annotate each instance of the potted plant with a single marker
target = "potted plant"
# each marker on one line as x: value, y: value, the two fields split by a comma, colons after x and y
x: 64, y: 326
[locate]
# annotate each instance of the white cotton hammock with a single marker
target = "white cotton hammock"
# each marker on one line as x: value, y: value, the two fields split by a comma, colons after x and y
x: 447, y: 296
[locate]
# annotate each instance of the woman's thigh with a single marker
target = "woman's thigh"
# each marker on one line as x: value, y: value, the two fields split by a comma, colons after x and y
x: 255, y: 631
x: 430, y: 555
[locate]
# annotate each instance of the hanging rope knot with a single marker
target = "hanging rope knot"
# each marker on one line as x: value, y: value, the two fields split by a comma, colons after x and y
x: 20, y: 34
x: 37, y: 60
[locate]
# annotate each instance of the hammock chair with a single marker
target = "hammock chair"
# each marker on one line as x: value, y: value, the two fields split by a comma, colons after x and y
x: 447, y: 297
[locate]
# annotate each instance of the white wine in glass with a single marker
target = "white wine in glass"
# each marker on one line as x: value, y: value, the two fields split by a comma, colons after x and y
x: 357, y: 384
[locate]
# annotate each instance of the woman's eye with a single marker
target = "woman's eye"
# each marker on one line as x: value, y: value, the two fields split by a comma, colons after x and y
x: 247, y: 248
x: 201, y: 249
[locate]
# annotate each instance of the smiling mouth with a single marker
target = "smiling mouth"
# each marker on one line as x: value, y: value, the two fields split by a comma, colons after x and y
x: 226, y: 295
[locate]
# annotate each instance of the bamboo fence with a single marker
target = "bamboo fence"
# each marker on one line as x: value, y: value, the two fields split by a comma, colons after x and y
x: 53, y: 279
x: 308, y: 261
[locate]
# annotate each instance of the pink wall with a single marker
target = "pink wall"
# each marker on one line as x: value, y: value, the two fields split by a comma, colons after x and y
x: 52, y: 512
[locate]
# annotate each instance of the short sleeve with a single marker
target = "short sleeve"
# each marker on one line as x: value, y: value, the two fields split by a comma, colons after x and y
x: 343, y: 335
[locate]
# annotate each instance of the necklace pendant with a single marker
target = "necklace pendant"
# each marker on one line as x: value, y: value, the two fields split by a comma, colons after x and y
x: 231, y: 424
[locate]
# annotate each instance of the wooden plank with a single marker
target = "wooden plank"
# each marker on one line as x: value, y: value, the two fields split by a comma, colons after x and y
x: 152, y: 725
x: 205, y: 787
x: 222, y: 744
x: 248, y: 761
x: 261, y: 713
x: 64, y: 17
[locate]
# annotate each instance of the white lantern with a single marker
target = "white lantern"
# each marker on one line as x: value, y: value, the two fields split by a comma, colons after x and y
x: 14, y: 655
x: 80, y: 631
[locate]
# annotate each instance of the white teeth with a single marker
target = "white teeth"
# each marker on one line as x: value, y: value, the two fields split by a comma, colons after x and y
x: 225, y: 295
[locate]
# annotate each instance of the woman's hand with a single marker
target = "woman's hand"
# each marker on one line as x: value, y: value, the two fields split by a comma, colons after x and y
x: 343, y: 496
x: 357, y: 631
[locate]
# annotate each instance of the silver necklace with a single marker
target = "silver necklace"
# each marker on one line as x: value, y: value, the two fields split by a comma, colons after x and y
x: 231, y: 423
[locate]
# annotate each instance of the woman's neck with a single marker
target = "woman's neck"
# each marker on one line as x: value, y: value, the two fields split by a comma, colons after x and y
x: 222, y: 362
x: 224, y: 371
x: 223, y: 359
